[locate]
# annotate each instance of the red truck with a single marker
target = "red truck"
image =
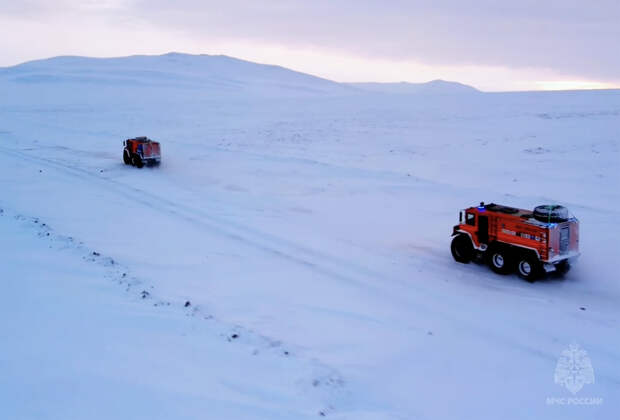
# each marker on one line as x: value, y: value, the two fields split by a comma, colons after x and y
x: 532, y: 242
x: 141, y: 151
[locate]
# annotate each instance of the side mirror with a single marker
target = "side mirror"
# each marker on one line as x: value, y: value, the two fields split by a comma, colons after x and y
x: 460, y: 217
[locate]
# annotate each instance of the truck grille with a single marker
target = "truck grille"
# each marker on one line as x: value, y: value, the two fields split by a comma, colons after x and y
x: 564, y: 239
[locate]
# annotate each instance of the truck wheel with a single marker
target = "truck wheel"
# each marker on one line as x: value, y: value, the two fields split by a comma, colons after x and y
x: 126, y: 158
x: 137, y: 161
x: 562, y: 268
x: 529, y: 268
x: 462, y: 249
x: 499, y: 260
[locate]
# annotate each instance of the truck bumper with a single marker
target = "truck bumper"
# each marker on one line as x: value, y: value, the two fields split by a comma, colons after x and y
x: 551, y: 264
x: 152, y: 160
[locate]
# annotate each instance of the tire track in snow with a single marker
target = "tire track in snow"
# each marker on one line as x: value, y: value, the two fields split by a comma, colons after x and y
x: 328, y: 266
x: 310, y: 259
x: 264, y: 241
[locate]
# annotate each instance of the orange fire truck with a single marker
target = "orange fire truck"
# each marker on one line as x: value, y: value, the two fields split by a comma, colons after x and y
x: 507, y: 238
x: 141, y: 151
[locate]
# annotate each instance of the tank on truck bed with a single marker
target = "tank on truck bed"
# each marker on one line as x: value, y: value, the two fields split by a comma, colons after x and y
x: 141, y: 151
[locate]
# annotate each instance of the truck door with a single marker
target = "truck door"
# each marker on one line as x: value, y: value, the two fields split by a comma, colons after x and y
x: 483, y: 229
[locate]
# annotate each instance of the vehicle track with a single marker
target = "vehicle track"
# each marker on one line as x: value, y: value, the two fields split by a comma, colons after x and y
x: 317, y: 262
x: 313, y: 260
x: 266, y: 242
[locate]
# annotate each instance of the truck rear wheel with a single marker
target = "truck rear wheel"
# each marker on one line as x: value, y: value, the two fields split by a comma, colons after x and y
x: 529, y: 268
x: 462, y: 249
x: 499, y: 259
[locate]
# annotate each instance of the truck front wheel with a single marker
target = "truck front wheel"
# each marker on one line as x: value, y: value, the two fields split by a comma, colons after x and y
x: 136, y: 160
x: 126, y: 157
x: 529, y: 268
x: 462, y: 249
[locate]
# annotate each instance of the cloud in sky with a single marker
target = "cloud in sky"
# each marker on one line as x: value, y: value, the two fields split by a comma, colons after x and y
x: 524, y: 42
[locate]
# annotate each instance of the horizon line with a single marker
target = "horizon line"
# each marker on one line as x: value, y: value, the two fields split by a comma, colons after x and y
x: 395, y: 82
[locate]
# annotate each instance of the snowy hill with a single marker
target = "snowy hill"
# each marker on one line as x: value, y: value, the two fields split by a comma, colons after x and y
x: 205, y: 72
x: 290, y: 257
x: 434, y: 87
x: 212, y: 73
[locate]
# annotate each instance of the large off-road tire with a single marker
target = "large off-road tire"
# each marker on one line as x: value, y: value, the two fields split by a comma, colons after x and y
x: 529, y: 267
x: 500, y: 259
x: 562, y: 268
x: 136, y: 161
x: 552, y: 213
x: 126, y: 157
x: 462, y: 248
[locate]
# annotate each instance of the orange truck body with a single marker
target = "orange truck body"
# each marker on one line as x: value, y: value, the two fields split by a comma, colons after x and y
x: 552, y: 242
x: 140, y: 151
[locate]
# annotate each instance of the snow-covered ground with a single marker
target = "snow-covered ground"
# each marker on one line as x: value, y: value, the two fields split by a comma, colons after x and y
x: 311, y: 220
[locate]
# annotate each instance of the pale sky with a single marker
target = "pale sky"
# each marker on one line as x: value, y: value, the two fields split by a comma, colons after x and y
x: 493, y: 45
